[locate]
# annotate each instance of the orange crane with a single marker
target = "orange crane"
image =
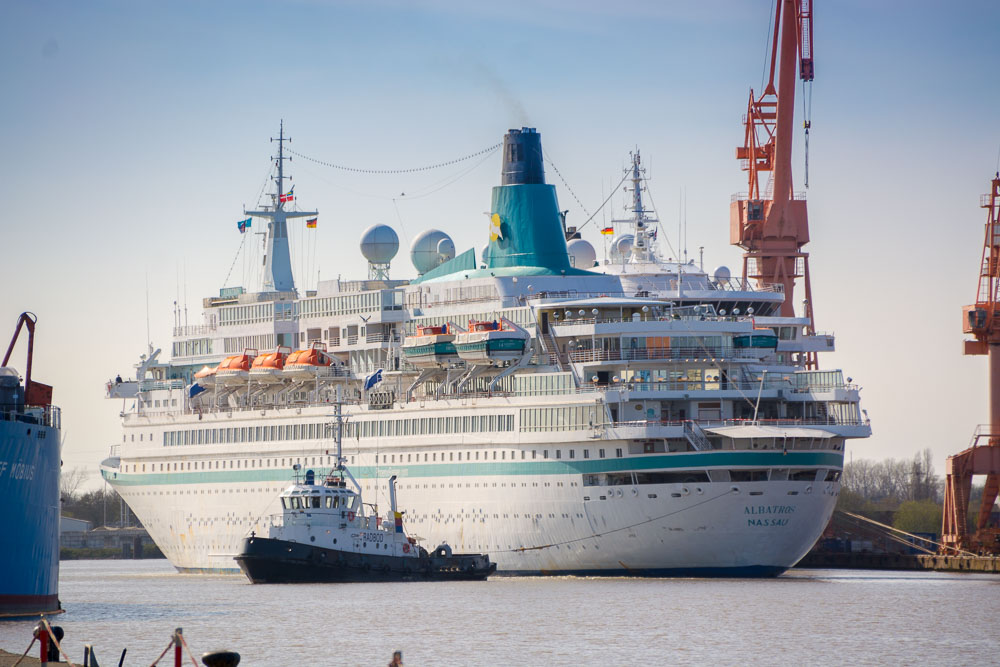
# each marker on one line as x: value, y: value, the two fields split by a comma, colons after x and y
x: 773, y: 226
x: 982, y: 320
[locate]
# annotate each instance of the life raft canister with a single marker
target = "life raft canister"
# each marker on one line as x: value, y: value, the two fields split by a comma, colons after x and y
x: 350, y: 516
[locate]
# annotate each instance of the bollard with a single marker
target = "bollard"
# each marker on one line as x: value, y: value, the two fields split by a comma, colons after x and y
x: 221, y: 659
x: 177, y: 646
x: 43, y: 642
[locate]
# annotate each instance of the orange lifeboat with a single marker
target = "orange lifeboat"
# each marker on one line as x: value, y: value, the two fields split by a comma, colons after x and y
x: 235, y: 370
x: 431, y: 346
x: 266, y: 368
x: 205, y: 377
x: 493, y: 342
x: 309, y: 364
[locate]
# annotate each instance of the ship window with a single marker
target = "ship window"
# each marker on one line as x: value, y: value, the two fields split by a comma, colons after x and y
x: 558, y: 453
x: 284, y: 503
x: 315, y: 501
x: 477, y: 456
x: 503, y: 455
x: 545, y: 453
x: 618, y: 452
x: 600, y: 453
x: 572, y: 453
x: 534, y: 453
x: 435, y: 456
x: 451, y: 456
x: 460, y: 456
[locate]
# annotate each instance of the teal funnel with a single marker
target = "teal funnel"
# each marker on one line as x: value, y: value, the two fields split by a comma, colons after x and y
x: 525, y: 226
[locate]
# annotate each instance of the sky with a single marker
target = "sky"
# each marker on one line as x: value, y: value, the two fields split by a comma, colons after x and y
x: 135, y: 132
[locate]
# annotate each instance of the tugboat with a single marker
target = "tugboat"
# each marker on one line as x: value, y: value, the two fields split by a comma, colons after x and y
x: 326, y: 535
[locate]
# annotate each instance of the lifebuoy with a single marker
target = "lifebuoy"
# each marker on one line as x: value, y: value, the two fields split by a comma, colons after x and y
x: 350, y: 516
x: 406, y: 547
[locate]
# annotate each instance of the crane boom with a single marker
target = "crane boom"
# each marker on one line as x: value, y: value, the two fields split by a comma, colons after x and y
x: 772, y: 227
x: 982, y: 321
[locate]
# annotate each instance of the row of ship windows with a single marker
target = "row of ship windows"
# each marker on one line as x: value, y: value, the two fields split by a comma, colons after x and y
x: 474, y: 456
x: 362, y: 429
x: 428, y: 457
x: 558, y: 419
x: 715, y: 475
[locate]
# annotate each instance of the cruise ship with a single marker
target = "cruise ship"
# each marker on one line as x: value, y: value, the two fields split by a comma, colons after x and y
x: 636, y: 416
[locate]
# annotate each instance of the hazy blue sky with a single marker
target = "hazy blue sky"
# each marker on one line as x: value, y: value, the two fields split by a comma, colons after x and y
x: 134, y: 132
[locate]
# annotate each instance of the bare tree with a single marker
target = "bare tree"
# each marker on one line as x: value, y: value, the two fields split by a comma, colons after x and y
x: 69, y: 482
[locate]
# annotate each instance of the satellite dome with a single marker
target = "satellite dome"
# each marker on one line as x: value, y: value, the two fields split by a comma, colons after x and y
x: 581, y: 253
x: 379, y: 244
x: 430, y: 249
x: 446, y: 249
x: 622, y: 246
x: 722, y: 274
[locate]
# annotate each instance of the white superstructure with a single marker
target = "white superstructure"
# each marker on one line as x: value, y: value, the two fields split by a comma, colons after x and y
x: 658, y: 420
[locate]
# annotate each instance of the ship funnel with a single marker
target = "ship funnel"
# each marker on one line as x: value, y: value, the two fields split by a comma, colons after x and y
x: 522, y: 158
x: 525, y: 226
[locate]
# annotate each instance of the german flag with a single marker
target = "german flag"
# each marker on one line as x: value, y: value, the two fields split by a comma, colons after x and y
x: 311, y: 223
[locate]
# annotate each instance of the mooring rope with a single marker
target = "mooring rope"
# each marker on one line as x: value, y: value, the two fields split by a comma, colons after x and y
x: 618, y: 530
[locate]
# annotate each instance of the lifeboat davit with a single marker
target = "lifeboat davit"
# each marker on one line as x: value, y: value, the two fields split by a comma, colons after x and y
x: 491, y: 342
x: 309, y: 364
x: 235, y: 370
x: 431, y: 347
x: 267, y: 368
x: 206, y: 376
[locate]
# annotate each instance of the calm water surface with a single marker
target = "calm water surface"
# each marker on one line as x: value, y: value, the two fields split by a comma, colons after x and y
x: 806, y: 616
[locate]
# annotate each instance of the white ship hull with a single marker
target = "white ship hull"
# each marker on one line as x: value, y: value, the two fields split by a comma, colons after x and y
x: 531, y: 515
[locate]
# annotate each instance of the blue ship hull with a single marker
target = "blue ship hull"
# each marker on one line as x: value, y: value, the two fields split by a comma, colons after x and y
x: 29, y: 522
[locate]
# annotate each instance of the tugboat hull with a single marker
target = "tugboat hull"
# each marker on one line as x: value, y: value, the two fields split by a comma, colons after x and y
x: 268, y: 561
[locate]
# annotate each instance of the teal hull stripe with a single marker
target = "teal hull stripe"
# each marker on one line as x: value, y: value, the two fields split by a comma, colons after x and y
x: 699, y: 460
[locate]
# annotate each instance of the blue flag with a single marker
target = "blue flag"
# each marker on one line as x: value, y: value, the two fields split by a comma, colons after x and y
x: 373, y: 379
x: 243, y: 225
x: 194, y: 390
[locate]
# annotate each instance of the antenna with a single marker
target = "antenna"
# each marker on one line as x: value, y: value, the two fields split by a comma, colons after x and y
x: 148, y: 344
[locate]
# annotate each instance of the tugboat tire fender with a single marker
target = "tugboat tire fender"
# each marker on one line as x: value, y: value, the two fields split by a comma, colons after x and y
x: 443, y: 551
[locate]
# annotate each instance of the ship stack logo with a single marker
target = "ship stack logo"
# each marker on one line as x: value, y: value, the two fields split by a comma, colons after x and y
x: 496, y: 233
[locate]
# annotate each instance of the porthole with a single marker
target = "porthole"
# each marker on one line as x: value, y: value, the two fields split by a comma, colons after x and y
x: 700, y: 490
x: 312, y: 538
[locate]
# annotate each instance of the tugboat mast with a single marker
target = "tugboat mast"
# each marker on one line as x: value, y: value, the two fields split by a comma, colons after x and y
x: 277, y: 260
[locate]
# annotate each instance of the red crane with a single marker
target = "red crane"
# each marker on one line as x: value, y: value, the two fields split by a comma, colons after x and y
x: 773, y: 226
x: 36, y: 393
x: 982, y: 320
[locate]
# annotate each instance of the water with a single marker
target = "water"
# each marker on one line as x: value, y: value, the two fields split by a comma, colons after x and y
x: 814, y: 616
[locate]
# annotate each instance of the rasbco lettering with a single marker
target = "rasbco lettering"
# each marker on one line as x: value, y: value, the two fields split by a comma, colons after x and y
x: 768, y: 515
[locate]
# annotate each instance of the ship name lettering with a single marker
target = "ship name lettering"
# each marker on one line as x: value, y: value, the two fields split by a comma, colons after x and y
x: 769, y: 509
x: 18, y: 471
x: 767, y: 522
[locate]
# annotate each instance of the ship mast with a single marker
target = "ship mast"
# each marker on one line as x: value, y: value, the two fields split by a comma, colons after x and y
x: 277, y: 260
x: 645, y: 226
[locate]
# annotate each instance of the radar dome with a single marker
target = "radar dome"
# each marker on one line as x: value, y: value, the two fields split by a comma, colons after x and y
x: 622, y: 246
x: 581, y: 253
x: 722, y: 274
x: 430, y: 249
x: 379, y: 244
